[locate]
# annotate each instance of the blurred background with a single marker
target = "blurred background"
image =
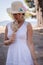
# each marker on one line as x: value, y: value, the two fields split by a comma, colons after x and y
x: 34, y: 15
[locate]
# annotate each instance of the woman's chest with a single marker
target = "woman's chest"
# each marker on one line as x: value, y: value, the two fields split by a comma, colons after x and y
x: 20, y: 33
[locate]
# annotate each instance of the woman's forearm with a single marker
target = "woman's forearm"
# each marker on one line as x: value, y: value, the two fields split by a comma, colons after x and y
x: 32, y: 50
x: 33, y: 54
x: 7, y: 42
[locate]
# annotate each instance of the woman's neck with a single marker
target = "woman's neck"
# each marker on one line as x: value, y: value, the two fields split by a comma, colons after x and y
x: 20, y: 24
x: 21, y: 21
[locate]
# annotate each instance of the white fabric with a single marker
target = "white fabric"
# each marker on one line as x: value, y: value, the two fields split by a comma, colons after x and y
x: 18, y: 52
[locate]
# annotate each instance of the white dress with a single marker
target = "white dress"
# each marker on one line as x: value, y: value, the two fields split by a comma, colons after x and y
x: 18, y: 52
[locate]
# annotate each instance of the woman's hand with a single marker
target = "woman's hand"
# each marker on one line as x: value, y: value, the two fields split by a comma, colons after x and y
x: 11, y: 40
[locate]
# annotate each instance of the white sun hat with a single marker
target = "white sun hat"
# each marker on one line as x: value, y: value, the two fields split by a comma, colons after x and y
x: 16, y: 7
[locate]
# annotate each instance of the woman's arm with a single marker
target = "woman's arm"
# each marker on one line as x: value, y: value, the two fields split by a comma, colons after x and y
x: 30, y: 42
x: 8, y: 41
x: 5, y: 34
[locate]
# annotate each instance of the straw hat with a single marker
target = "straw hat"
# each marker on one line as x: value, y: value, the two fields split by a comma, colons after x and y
x: 16, y: 7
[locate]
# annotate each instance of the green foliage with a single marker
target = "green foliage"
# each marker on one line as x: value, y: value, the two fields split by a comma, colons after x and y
x: 30, y: 3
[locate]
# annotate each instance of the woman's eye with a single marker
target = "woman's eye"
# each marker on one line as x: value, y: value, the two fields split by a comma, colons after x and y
x: 19, y: 13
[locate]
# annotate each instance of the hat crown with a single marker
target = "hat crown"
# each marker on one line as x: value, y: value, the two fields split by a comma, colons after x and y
x: 17, y: 6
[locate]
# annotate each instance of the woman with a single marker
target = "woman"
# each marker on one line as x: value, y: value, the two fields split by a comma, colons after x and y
x: 21, y: 49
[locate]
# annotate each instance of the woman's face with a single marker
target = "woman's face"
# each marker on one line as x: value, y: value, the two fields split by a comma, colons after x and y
x: 18, y: 16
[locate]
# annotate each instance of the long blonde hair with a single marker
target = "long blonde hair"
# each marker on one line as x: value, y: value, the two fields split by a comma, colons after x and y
x: 14, y: 26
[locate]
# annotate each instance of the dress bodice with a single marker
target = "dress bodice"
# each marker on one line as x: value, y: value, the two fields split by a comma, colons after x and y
x: 20, y: 34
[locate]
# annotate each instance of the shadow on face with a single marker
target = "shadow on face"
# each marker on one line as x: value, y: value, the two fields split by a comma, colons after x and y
x: 18, y: 16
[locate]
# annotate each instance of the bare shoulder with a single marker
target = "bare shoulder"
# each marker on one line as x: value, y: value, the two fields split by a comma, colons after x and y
x: 6, y: 29
x: 29, y: 33
x: 29, y: 26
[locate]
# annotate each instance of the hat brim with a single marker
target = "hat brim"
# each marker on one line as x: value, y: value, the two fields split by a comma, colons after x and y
x: 9, y: 10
